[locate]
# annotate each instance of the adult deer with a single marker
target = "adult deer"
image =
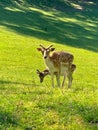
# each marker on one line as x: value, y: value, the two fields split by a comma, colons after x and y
x: 46, y: 72
x: 58, y: 62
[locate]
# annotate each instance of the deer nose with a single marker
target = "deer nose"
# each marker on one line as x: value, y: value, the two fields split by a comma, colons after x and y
x: 45, y: 57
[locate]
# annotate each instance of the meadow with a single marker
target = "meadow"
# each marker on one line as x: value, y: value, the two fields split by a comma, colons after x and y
x: 25, y: 103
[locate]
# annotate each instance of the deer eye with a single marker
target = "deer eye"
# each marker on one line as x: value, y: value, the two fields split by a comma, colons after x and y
x: 48, y: 51
x: 42, y: 52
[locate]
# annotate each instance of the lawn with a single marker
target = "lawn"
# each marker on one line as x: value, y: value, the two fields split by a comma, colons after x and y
x: 25, y: 103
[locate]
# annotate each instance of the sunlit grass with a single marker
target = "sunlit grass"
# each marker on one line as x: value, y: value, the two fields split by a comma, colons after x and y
x: 25, y: 103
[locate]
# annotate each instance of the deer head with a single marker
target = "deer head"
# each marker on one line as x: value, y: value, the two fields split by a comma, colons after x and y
x: 45, y: 51
x: 42, y: 74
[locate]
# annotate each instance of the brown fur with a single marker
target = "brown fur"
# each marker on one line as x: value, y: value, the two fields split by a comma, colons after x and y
x: 64, y: 57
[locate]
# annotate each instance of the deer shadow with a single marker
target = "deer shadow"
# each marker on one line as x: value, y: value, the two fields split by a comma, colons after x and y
x: 3, y: 82
x: 7, y: 119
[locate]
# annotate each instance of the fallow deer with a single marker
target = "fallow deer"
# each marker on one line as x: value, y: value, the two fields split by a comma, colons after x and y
x: 46, y: 72
x: 58, y: 62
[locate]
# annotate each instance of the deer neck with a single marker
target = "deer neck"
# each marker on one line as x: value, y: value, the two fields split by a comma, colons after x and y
x: 50, y: 64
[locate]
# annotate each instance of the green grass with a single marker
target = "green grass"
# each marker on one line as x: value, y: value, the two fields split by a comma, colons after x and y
x: 25, y: 104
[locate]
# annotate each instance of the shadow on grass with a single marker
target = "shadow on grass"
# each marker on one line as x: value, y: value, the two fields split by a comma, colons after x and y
x: 79, y: 29
x: 88, y: 113
x: 2, y: 82
x: 7, y: 119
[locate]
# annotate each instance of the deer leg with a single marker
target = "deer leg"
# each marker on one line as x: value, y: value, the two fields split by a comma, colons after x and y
x: 69, y: 74
x: 52, y: 79
x: 58, y: 79
x: 64, y: 80
x: 70, y: 78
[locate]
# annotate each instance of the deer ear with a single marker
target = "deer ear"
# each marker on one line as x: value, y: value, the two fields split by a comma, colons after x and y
x: 52, y: 49
x: 37, y: 71
x: 39, y: 49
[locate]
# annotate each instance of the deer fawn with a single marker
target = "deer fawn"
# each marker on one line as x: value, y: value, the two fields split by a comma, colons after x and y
x: 46, y: 72
x: 58, y: 63
x: 43, y: 74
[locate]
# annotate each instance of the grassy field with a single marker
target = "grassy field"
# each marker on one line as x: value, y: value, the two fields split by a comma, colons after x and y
x: 25, y: 103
